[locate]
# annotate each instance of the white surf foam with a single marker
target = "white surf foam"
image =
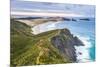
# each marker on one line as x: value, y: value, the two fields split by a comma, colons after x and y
x: 82, y: 52
x: 45, y: 27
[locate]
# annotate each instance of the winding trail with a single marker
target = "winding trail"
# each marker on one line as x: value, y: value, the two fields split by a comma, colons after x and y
x: 43, y: 50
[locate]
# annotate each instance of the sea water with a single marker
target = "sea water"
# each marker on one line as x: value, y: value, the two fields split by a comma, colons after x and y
x: 85, y: 31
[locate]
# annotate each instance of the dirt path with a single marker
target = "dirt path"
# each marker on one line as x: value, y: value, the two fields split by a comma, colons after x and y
x: 42, y: 51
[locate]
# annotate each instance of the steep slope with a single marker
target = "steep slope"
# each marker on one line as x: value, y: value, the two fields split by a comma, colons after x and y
x: 65, y: 42
x: 52, y: 47
x: 20, y: 28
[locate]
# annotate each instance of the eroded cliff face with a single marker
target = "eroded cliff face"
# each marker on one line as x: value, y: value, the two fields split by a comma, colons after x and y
x: 50, y: 47
x: 65, y: 42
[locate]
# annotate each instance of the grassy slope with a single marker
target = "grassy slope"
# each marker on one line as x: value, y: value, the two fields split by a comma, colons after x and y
x: 28, y: 49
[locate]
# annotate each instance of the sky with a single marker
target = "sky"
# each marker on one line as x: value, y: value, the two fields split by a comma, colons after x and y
x: 32, y: 8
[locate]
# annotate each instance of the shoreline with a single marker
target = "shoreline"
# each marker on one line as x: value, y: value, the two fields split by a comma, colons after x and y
x: 85, y: 57
x: 85, y: 50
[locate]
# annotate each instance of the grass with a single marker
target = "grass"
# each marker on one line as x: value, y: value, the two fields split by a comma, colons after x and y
x: 29, y: 49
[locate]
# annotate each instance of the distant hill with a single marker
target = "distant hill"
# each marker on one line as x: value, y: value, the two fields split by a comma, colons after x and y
x: 33, y: 17
x: 51, y: 47
x: 34, y: 21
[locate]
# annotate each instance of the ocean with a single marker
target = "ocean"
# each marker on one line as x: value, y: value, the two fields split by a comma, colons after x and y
x: 84, y: 30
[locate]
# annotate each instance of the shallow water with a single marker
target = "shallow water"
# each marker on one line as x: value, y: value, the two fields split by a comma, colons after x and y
x: 85, y: 30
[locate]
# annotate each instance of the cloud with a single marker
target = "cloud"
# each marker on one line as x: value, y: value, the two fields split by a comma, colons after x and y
x: 39, y: 10
x: 29, y: 8
x: 90, y: 2
x: 51, y: 14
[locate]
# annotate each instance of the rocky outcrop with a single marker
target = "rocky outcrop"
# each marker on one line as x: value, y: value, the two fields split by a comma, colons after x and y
x: 65, y: 42
x: 85, y: 19
x: 50, y: 47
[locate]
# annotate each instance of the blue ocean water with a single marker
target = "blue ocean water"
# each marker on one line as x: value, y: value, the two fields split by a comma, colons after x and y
x: 84, y: 29
x: 92, y: 49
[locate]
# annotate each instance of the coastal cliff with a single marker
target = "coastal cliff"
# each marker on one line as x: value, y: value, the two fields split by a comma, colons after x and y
x: 65, y: 43
x: 51, y: 47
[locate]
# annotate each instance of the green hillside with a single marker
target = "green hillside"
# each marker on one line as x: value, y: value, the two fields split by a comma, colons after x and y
x: 46, y: 48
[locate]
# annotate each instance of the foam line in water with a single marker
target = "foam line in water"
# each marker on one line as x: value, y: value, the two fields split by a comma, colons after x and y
x: 82, y: 52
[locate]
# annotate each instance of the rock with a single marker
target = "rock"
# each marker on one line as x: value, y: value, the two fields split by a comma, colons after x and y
x: 85, y: 19
x: 65, y: 42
